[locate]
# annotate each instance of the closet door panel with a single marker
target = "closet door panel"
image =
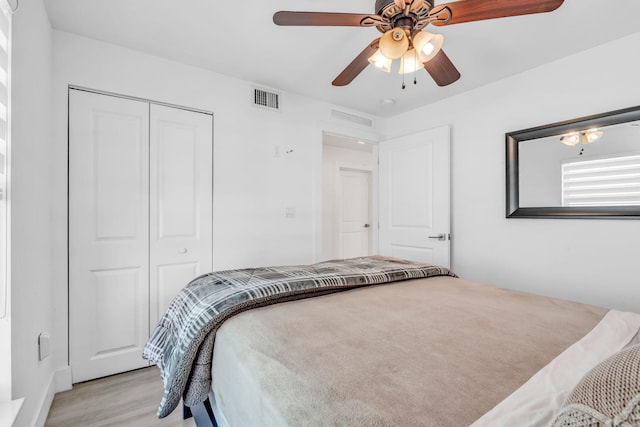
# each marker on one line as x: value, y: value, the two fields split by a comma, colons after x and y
x: 170, y: 279
x: 181, y: 202
x: 108, y: 234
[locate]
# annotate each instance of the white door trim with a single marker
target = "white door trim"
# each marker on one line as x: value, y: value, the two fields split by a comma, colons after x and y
x: 136, y: 98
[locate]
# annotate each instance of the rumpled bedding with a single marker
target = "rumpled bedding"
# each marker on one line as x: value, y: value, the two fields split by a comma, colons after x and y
x: 182, y: 343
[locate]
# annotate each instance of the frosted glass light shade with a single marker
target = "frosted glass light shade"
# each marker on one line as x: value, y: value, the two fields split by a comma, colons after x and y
x: 427, y: 45
x: 394, y: 43
x: 584, y: 137
x: 592, y: 136
x: 570, y: 139
x: 410, y: 62
x: 380, y: 61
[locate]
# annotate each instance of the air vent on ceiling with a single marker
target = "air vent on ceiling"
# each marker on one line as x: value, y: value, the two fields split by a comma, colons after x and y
x: 266, y: 99
x: 348, y: 117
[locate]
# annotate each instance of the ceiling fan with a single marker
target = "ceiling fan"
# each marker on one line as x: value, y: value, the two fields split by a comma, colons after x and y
x: 402, y: 23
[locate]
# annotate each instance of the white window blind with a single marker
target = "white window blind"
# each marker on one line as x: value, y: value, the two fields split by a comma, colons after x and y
x: 5, y: 79
x: 612, y: 181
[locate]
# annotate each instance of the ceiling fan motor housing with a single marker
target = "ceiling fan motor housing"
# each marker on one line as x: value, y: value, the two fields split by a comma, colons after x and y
x: 410, y: 19
x: 381, y: 5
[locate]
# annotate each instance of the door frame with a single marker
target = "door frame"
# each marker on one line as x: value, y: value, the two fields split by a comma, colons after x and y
x: 346, y: 166
x: 343, y: 130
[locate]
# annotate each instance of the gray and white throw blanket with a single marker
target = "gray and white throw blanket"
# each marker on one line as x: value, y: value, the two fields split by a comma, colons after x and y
x: 182, y: 343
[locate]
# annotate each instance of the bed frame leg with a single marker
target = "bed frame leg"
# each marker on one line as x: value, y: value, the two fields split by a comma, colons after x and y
x: 202, y: 414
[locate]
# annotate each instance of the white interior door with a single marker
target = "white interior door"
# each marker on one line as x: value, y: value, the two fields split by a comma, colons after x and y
x: 181, y: 202
x: 414, y: 185
x: 108, y: 234
x: 353, y: 212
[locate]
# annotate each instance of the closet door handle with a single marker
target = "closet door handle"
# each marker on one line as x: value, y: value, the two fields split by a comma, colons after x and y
x: 182, y: 251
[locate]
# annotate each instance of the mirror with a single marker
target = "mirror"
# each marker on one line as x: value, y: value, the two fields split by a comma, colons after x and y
x: 582, y: 168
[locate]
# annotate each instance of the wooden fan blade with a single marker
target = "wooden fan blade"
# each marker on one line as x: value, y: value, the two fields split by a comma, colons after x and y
x: 478, y: 10
x: 319, y: 19
x: 357, y: 65
x: 442, y: 69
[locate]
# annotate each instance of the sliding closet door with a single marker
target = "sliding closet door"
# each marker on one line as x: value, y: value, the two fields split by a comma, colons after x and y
x: 181, y: 202
x: 108, y: 234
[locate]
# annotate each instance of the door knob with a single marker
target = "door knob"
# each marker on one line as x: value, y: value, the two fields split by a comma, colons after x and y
x: 367, y: 226
x: 182, y: 251
x: 441, y: 236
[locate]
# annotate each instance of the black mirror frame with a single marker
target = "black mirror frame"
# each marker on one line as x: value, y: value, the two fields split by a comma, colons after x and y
x: 596, y: 212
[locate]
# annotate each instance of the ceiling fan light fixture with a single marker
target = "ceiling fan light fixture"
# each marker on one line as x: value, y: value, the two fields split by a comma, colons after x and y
x: 592, y: 135
x: 410, y: 62
x: 570, y: 139
x: 584, y: 137
x: 401, y: 20
x: 380, y: 61
x: 427, y: 44
x: 394, y: 43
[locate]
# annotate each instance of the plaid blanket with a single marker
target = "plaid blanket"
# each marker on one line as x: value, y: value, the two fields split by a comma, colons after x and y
x: 182, y: 343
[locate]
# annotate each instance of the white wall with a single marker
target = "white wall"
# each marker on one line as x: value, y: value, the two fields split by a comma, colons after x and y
x: 594, y: 261
x: 31, y: 249
x: 332, y: 159
x: 251, y: 186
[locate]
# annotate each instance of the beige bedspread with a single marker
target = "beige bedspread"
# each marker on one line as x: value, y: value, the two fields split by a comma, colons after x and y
x: 427, y: 352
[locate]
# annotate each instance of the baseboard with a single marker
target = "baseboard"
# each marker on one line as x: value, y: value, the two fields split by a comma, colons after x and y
x: 59, y: 380
x: 45, y: 402
x: 63, y: 380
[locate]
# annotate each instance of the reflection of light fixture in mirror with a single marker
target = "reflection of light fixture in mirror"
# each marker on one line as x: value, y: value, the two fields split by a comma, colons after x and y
x: 570, y: 139
x: 410, y: 62
x: 427, y: 45
x: 584, y: 137
x: 394, y: 43
x: 380, y: 61
x: 592, y: 135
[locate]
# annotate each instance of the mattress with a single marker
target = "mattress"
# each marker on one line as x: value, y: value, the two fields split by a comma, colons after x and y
x: 438, y: 352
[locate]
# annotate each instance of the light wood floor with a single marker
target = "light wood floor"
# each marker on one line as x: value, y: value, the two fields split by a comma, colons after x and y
x: 129, y: 399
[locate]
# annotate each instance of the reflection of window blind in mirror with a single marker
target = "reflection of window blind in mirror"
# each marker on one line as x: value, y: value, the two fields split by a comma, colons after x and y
x: 612, y: 181
x: 5, y: 21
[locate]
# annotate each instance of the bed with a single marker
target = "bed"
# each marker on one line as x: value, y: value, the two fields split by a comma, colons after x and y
x: 424, y: 348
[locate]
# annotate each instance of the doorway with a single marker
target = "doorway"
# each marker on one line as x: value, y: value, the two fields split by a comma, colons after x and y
x: 348, y: 210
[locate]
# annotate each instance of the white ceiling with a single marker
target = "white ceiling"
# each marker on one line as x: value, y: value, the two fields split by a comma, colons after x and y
x: 239, y: 39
